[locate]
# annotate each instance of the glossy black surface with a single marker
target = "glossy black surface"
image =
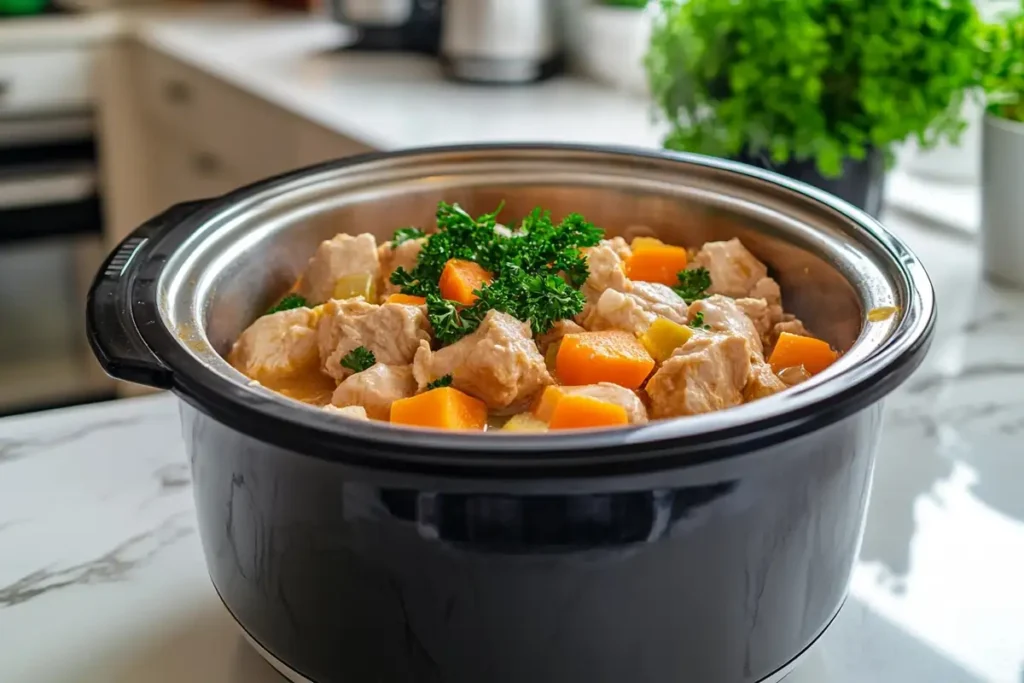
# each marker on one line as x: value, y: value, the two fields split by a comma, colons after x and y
x: 716, y: 573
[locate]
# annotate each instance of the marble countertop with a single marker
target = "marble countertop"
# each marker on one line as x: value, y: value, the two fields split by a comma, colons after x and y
x: 295, y: 63
x: 102, y: 578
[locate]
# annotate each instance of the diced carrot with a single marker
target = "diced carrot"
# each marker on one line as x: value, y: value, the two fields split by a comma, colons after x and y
x: 576, y: 411
x: 792, y: 350
x: 460, y: 278
x: 405, y: 299
x: 544, y: 407
x: 656, y: 264
x: 609, y: 356
x: 443, y: 408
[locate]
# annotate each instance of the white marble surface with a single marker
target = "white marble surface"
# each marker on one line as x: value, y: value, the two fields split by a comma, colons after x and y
x: 389, y: 101
x: 102, y: 578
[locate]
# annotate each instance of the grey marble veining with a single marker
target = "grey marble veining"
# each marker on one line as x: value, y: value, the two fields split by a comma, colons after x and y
x: 98, y: 547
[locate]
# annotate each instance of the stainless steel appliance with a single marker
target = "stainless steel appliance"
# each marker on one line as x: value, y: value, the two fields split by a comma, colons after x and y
x: 50, y: 226
x: 399, y: 25
x: 501, y: 41
x: 713, y: 548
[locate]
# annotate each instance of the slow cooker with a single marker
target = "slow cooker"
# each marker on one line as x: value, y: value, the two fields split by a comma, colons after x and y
x: 716, y: 548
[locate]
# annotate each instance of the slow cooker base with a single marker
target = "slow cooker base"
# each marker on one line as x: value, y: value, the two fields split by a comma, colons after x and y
x: 295, y: 677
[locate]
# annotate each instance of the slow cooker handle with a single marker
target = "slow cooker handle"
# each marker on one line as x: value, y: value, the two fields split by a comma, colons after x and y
x: 110, y: 321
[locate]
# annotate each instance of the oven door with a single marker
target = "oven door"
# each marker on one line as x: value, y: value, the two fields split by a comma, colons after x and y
x: 50, y: 245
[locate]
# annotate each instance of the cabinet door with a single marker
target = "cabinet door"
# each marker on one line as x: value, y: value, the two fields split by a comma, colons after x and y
x: 238, y: 129
x: 185, y: 171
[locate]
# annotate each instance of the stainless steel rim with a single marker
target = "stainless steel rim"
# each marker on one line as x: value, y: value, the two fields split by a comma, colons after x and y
x: 887, y: 274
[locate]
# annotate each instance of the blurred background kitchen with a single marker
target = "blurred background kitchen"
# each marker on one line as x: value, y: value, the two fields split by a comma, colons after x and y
x: 112, y: 110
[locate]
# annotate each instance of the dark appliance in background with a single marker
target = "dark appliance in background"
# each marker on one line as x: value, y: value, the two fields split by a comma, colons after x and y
x: 50, y: 229
x: 392, y: 25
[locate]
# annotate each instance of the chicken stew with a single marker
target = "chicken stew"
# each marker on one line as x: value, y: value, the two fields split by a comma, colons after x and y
x: 545, y: 326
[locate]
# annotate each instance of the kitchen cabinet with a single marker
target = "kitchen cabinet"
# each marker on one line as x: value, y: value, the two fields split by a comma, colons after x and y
x: 170, y: 133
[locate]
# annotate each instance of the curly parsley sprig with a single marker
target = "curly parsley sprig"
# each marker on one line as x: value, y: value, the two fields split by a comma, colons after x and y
x: 288, y: 303
x: 444, y: 381
x: 537, y: 269
x: 693, y: 284
x: 359, y: 359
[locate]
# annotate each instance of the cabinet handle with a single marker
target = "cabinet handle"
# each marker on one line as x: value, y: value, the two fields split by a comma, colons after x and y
x: 5, y: 87
x: 205, y: 164
x: 177, y: 92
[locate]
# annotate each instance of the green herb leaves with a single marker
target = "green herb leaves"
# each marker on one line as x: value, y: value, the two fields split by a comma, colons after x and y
x: 537, y: 269
x: 359, y: 359
x: 287, y: 303
x: 1003, y: 47
x: 811, y: 80
x: 451, y: 322
x: 445, y: 381
x: 406, y: 234
x: 698, y: 322
x: 693, y: 284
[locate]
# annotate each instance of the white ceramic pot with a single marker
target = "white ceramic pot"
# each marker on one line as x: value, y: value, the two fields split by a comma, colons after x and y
x: 1002, y: 201
x: 616, y: 42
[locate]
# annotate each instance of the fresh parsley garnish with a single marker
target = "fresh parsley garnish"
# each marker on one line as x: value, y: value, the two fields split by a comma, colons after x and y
x: 693, y: 284
x: 288, y: 303
x: 406, y: 234
x: 698, y: 322
x: 536, y: 271
x: 450, y: 321
x: 445, y: 381
x: 359, y: 359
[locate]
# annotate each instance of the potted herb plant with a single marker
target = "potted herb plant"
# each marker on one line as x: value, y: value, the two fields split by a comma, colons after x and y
x: 819, y: 90
x: 617, y: 33
x: 1002, y: 157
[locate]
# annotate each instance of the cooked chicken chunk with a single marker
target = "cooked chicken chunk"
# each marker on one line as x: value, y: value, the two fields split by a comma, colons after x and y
x: 734, y: 270
x: 351, y: 412
x: 336, y: 258
x: 734, y: 317
x: 555, y: 334
x: 375, y: 389
x: 619, y: 245
x: 762, y: 382
x: 760, y: 314
x: 794, y: 375
x: 707, y: 373
x: 392, y: 332
x: 613, y: 393
x: 634, y: 309
x: 768, y: 289
x: 722, y: 314
x: 606, y: 271
x: 615, y: 310
x: 499, y: 363
x: 278, y: 346
x: 660, y: 300
x: 392, y: 257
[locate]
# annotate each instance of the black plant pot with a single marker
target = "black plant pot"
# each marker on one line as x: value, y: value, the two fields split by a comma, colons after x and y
x: 862, y: 182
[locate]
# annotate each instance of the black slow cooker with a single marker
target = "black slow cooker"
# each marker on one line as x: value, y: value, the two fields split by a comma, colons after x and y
x: 711, y: 549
